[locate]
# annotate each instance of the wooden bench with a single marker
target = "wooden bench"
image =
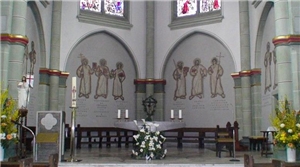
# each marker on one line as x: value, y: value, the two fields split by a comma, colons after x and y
x: 224, y: 138
x: 189, y: 135
x: 249, y: 162
x: 103, y: 135
x: 256, y: 142
x: 28, y: 162
x: 196, y: 135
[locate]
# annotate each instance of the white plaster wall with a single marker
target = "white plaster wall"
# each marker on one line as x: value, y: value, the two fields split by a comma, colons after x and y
x: 254, y: 18
x: 46, y: 15
x: 72, y: 31
x: 267, y: 99
x: 32, y: 34
x: 226, y: 31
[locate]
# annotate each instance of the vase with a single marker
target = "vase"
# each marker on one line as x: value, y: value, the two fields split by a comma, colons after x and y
x: 291, y: 154
x: 279, y: 153
x: 1, y: 152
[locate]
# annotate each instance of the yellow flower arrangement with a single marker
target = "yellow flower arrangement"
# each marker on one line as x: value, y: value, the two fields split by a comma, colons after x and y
x: 287, y: 123
x: 8, y: 130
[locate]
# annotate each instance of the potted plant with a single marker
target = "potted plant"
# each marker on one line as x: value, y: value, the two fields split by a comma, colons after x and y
x: 9, y: 112
x: 287, y: 124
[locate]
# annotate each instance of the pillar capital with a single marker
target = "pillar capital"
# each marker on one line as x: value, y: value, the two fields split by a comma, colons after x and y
x: 286, y: 40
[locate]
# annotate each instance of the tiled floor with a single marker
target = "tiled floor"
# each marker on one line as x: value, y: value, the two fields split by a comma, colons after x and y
x: 189, y: 155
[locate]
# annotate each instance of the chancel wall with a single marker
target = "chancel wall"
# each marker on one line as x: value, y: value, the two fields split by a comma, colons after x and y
x: 202, y: 102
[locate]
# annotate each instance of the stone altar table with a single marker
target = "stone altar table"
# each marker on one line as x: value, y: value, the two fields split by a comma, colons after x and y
x: 163, y: 125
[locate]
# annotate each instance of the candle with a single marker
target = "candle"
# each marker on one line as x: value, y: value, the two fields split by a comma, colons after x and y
x: 172, y: 114
x: 180, y: 114
x: 119, y: 114
x: 73, y: 91
x: 126, y: 113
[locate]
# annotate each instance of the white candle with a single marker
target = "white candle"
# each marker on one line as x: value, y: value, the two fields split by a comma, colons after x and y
x: 126, y: 113
x: 172, y: 114
x: 180, y: 114
x: 73, y: 91
x: 119, y: 114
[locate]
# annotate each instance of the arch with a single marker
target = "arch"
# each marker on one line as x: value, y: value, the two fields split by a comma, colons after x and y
x: 111, y: 35
x: 259, y: 36
x: 38, y: 19
x: 186, y: 37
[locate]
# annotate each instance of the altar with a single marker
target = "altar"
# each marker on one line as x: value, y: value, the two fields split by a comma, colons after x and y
x: 163, y: 125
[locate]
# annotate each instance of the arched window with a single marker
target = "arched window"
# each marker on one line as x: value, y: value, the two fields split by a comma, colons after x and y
x: 112, y: 13
x: 189, y: 13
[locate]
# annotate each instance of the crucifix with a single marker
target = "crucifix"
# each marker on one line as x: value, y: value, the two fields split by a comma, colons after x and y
x: 220, y: 58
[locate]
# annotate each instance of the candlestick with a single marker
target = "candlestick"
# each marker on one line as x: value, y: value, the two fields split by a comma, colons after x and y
x: 180, y: 114
x: 126, y: 114
x: 119, y: 114
x: 172, y: 114
x: 73, y: 92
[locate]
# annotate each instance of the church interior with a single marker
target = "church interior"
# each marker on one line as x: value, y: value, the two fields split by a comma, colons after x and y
x: 205, y: 77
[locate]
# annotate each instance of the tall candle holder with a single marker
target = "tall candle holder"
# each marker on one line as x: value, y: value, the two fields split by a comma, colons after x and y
x: 72, y: 139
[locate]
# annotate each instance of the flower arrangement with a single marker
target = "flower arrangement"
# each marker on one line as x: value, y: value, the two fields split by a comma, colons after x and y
x: 287, y: 123
x: 148, y: 142
x: 8, y: 130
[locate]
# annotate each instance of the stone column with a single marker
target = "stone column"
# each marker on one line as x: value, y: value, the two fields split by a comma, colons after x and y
x: 287, y: 50
x: 55, y: 55
x: 13, y: 43
x: 295, y: 59
x: 44, y: 90
x: 246, y: 102
x: 6, y: 10
x: 150, y: 10
x: 62, y: 91
x: 256, y: 101
x: 282, y: 30
x: 149, y: 85
x: 159, y: 91
x: 238, y: 101
x: 140, y: 91
x: 245, y: 64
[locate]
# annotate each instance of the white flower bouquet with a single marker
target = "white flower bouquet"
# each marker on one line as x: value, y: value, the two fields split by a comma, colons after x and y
x: 148, y: 143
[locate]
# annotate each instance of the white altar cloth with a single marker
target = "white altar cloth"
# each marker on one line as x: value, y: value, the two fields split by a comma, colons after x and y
x: 163, y: 125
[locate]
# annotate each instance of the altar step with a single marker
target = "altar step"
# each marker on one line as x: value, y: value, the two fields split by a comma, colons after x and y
x: 149, y: 164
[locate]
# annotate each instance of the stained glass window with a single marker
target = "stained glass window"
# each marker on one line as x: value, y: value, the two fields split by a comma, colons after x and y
x: 209, y: 5
x: 189, y: 13
x: 92, y: 5
x: 186, y: 7
x: 113, y: 13
x: 111, y: 7
x: 190, y: 7
x: 114, y: 7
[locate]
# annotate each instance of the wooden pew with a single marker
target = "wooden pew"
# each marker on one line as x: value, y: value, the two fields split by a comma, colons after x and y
x: 199, y: 135
x: 191, y: 135
x: 224, y: 138
x: 289, y: 164
x: 28, y: 162
x: 227, y: 137
x: 276, y: 163
x: 249, y: 162
x: 280, y: 163
x: 103, y: 135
